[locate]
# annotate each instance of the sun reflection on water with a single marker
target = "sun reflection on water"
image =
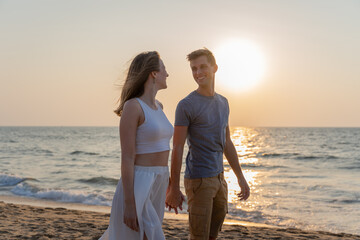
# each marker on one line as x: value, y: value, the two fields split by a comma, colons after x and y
x: 246, y: 150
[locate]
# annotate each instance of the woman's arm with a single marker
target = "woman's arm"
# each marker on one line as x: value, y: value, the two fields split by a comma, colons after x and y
x: 130, y: 119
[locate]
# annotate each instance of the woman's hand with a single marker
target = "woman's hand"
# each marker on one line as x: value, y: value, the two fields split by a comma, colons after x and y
x: 130, y: 217
x: 174, y: 199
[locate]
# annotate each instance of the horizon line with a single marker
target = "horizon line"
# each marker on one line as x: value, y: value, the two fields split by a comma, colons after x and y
x: 230, y: 126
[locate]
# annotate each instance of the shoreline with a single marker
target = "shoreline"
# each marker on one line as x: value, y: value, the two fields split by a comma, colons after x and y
x: 42, y: 219
x: 34, y: 202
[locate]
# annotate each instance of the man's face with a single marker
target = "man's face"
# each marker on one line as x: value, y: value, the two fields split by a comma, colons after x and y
x: 202, y: 71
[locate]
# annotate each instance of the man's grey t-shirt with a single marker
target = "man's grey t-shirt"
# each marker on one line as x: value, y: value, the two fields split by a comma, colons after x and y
x: 207, y: 119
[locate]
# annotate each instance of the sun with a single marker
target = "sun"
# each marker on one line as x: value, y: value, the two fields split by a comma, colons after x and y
x: 241, y: 65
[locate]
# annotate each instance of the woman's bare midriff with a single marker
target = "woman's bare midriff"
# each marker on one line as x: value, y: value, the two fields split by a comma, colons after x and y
x: 152, y: 159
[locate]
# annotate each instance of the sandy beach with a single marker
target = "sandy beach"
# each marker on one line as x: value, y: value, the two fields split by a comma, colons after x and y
x: 20, y: 221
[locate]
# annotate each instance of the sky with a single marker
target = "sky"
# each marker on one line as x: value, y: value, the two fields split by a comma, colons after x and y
x: 62, y: 61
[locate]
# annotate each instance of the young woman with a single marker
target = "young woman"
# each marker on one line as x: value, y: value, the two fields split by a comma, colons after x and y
x: 138, y: 205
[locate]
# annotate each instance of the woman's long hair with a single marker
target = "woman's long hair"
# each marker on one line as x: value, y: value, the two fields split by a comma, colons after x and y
x: 140, y: 68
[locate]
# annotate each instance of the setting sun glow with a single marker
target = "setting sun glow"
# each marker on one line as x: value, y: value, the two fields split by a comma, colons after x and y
x: 241, y: 65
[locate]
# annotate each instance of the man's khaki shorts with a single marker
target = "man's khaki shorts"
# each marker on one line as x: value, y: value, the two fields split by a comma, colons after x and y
x: 207, y: 205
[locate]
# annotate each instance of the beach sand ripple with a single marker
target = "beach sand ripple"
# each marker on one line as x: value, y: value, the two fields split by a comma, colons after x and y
x: 29, y: 222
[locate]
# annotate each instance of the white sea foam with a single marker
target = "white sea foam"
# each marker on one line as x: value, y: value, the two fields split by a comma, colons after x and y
x: 10, y: 180
x: 74, y: 196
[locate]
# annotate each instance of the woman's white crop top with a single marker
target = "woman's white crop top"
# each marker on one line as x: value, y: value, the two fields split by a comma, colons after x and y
x: 154, y: 134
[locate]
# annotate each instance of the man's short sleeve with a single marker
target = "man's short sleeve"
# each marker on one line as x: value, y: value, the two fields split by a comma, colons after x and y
x: 182, y: 114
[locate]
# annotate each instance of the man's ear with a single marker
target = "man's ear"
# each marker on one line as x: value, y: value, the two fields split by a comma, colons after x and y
x: 215, y: 68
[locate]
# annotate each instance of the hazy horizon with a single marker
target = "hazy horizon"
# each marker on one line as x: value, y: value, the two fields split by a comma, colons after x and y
x: 231, y: 127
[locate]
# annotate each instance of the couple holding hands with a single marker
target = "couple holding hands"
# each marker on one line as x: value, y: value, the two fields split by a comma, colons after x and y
x: 145, y: 187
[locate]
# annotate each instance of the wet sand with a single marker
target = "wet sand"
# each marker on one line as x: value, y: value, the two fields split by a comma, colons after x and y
x: 18, y: 221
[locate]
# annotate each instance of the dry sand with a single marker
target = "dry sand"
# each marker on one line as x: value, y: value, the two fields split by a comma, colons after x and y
x: 31, y: 222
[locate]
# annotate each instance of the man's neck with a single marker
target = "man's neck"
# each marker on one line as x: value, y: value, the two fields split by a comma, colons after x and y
x: 209, y: 92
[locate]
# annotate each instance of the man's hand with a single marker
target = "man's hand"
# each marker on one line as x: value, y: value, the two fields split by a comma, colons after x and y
x: 245, y: 190
x: 174, y: 199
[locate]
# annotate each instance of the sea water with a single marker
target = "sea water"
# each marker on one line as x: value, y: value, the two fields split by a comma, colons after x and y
x: 305, y: 178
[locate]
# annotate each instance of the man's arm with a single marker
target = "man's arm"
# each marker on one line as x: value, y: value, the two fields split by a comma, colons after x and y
x: 174, y: 197
x: 231, y: 156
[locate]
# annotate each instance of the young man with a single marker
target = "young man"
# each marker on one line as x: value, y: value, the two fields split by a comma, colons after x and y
x: 202, y: 119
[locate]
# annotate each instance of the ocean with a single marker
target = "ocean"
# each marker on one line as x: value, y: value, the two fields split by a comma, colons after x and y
x: 305, y: 178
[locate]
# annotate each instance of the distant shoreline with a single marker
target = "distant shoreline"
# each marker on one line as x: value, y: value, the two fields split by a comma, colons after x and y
x: 231, y: 126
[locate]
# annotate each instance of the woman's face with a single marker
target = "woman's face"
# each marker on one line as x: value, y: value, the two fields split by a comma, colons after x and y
x: 161, y: 76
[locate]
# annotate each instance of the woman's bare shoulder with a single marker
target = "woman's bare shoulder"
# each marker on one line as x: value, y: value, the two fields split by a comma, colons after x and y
x: 132, y: 105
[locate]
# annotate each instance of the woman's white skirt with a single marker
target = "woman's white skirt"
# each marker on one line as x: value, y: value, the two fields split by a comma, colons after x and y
x: 150, y: 184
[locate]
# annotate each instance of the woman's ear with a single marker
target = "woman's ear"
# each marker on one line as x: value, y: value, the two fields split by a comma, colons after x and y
x: 153, y: 75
